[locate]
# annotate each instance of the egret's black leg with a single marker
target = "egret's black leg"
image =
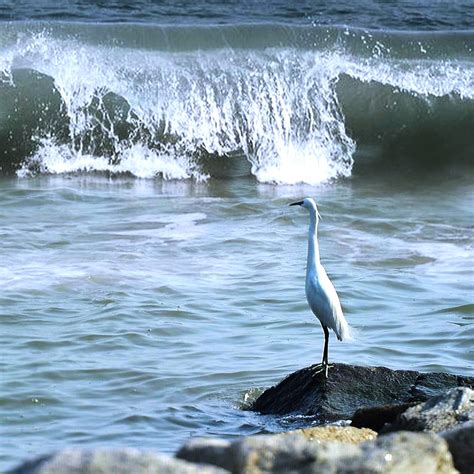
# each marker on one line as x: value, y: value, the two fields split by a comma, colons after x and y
x: 326, y: 345
x: 326, y: 350
x: 324, y: 366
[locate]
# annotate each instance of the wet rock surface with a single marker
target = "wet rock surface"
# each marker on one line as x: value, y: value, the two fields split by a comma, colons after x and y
x: 350, y: 388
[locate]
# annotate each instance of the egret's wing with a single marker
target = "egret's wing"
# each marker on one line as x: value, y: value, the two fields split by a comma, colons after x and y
x: 324, y: 302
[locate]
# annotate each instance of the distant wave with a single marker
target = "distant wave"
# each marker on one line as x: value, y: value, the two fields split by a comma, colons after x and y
x: 298, y: 104
x: 424, y: 15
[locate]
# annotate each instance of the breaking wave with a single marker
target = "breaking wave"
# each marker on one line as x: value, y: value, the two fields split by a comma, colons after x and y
x: 292, y: 104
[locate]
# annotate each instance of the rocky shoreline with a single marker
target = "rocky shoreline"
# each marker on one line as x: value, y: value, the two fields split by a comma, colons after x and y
x: 401, y: 422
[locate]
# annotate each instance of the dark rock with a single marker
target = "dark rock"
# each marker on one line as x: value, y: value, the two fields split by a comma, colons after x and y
x: 376, y: 418
x: 460, y: 441
x: 350, y: 388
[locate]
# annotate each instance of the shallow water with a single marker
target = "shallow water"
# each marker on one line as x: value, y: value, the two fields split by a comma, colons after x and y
x: 140, y: 312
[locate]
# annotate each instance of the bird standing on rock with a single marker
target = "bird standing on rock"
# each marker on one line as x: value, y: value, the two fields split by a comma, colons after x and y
x: 320, y: 292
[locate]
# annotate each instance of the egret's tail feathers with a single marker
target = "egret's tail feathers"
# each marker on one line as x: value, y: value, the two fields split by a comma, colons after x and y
x: 344, y: 331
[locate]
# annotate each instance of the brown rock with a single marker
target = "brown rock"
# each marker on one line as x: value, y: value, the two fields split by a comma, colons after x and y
x: 341, y: 434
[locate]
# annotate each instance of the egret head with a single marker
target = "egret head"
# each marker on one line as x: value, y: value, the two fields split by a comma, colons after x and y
x: 309, y: 204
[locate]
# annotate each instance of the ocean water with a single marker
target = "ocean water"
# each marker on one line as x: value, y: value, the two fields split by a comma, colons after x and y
x: 152, y: 274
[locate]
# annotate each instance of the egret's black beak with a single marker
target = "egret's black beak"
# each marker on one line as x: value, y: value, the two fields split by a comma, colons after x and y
x: 298, y: 203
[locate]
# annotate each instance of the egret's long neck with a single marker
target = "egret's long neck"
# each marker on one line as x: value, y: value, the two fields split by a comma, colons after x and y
x: 313, y: 247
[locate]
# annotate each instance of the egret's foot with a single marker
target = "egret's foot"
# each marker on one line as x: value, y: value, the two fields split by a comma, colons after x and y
x: 316, y: 369
x: 326, y: 369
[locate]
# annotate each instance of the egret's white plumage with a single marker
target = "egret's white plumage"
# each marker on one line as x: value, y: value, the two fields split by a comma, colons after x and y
x: 320, y: 292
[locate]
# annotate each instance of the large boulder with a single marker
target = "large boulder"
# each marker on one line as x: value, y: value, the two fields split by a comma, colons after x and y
x: 293, y: 453
x: 349, y: 388
x: 116, y: 461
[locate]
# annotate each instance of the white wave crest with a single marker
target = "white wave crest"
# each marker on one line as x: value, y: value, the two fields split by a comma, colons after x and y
x: 276, y: 106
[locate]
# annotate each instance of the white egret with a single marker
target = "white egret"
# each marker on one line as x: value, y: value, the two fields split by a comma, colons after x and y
x: 320, y: 292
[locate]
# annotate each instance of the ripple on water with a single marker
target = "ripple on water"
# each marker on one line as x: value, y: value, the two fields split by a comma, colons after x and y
x: 148, y: 341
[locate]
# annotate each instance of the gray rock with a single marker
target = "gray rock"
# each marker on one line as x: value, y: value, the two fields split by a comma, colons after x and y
x: 461, y: 444
x: 405, y: 452
x: 349, y: 388
x: 438, y: 413
x: 116, y: 461
x: 290, y: 454
x: 207, y: 450
x: 294, y: 453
